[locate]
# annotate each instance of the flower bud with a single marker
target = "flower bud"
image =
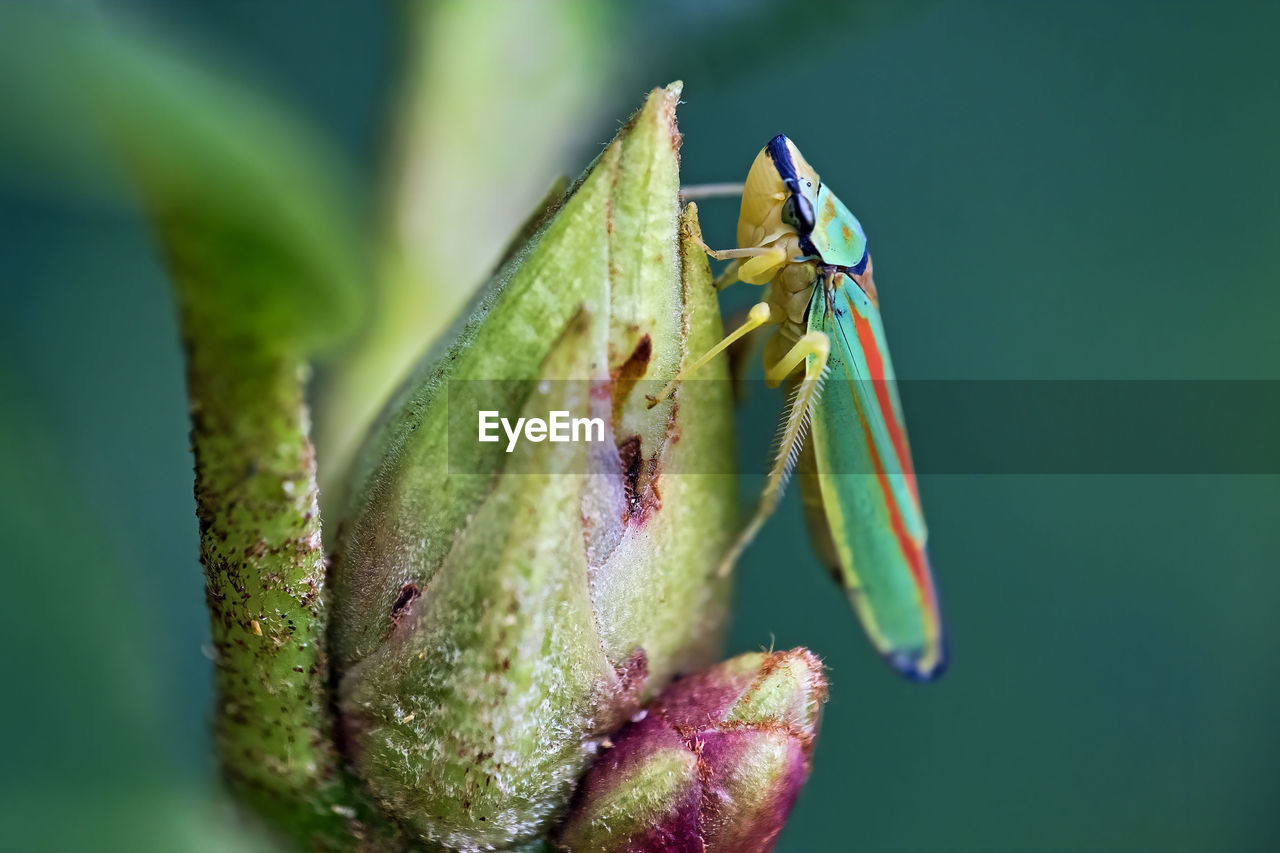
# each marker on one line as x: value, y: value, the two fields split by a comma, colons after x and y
x: 497, y: 614
x: 713, y: 764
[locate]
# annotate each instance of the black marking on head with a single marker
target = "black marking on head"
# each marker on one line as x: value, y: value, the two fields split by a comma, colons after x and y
x: 797, y: 211
x: 780, y: 154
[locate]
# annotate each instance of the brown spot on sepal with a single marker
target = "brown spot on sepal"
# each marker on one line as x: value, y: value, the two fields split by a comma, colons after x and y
x: 409, y: 593
x: 627, y: 374
x: 639, y: 480
x: 629, y: 453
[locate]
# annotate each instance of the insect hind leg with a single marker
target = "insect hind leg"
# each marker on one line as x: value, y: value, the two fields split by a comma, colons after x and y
x: 813, y: 348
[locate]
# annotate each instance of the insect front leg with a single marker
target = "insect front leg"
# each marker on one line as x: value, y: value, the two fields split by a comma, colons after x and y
x: 759, y: 314
x: 813, y: 348
x: 755, y: 264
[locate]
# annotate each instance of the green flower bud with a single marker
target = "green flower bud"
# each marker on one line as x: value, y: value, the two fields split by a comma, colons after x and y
x: 713, y: 764
x: 496, y: 614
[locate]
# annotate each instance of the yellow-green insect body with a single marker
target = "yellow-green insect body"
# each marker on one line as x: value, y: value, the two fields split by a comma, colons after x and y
x: 797, y: 237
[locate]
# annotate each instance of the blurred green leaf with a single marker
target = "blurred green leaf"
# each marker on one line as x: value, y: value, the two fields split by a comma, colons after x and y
x: 279, y: 217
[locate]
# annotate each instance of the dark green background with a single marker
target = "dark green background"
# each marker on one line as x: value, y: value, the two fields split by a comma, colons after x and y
x: 1056, y: 190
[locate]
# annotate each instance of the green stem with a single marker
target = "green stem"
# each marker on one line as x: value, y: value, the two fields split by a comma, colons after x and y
x: 260, y: 544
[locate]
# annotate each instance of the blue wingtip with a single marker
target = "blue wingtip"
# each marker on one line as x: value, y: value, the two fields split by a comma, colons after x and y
x: 908, y: 663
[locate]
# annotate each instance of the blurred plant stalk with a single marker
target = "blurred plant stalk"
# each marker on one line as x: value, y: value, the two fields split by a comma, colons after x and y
x: 466, y: 162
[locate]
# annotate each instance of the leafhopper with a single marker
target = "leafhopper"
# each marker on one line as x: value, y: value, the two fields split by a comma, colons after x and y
x: 799, y: 240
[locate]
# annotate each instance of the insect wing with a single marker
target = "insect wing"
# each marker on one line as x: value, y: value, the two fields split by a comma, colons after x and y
x: 837, y: 235
x: 861, y: 470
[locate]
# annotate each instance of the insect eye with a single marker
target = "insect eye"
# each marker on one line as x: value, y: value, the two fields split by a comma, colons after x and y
x: 798, y: 213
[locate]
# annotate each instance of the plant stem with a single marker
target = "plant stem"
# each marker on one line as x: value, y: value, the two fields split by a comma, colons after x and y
x: 260, y: 544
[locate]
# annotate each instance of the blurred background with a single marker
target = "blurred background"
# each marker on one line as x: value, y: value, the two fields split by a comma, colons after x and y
x: 1053, y: 191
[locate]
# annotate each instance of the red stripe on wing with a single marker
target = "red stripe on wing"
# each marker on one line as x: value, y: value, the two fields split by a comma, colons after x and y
x: 911, y: 550
x: 875, y: 364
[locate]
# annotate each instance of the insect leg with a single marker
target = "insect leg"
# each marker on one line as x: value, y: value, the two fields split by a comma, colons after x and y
x: 728, y: 275
x: 770, y: 252
x: 757, y: 264
x: 759, y: 314
x: 791, y: 437
x: 812, y: 343
x: 742, y: 353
